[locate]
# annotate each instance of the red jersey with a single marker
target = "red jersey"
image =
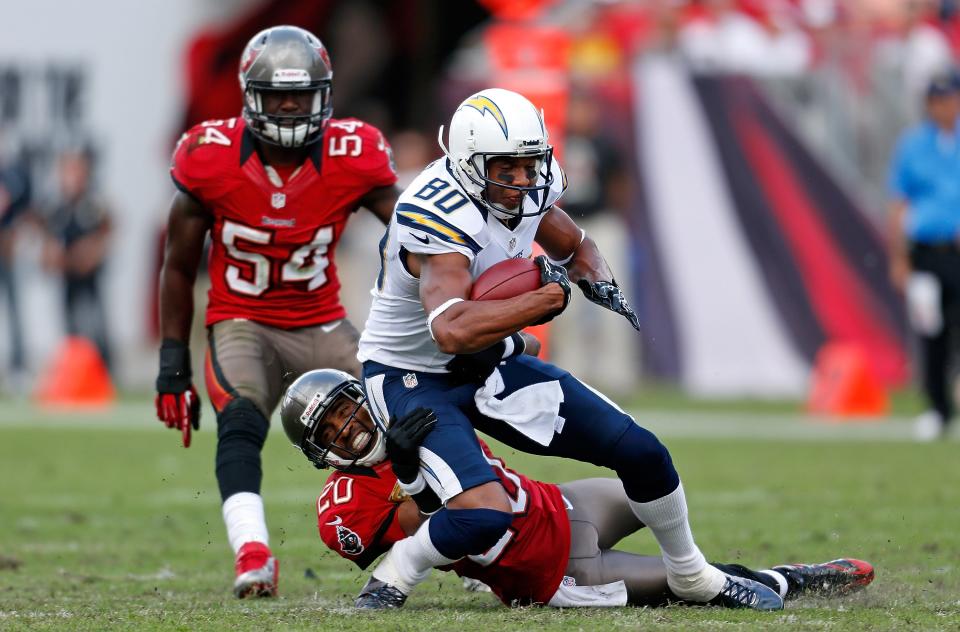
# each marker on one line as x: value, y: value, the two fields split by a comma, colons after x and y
x: 272, y: 258
x: 357, y: 518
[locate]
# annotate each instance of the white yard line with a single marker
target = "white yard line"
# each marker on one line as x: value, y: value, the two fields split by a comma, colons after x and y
x: 664, y: 423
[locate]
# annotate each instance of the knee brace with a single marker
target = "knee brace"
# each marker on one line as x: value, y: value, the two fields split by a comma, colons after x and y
x: 241, y: 431
x: 459, y: 532
x: 643, y: 464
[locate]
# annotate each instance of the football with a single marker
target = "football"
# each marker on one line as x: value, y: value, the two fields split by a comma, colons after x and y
x: 506, y: 279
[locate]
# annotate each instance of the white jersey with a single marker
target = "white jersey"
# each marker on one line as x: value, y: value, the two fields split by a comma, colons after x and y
x: 434, y: 215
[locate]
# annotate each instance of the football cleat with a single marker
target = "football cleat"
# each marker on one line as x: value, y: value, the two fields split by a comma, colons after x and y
x: 830, y: 579
x: 379, y: 595
x: 745, y: 593
x: 475, y: 585
x: 257, y: 571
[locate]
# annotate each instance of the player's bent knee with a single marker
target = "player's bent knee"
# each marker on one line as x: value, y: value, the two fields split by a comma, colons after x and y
x: 241, y: 431
x: 490, y: 495
x: 460, y: 532
x: 644, y: 465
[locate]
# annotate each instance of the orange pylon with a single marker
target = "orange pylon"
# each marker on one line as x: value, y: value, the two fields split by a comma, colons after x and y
x: 843, y: 384
x: 77, y: 377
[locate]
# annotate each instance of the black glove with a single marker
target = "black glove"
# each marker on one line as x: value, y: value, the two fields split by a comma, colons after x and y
x: 177, y: 402
x: 477, y: 366
x: 403, y: 442
x: 608, y: 294
x: 550, y: 273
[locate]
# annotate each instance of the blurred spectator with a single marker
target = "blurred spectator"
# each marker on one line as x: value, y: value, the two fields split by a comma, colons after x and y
x: 14, y: 201
x: 412, y: 151
x: 78, y: 228
x: 925, y: 241
x: 596, y: 200
x: 917, y: 50
x: 721, y: 37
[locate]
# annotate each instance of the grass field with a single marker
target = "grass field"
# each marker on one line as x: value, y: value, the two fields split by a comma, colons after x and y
x: 106, y: 523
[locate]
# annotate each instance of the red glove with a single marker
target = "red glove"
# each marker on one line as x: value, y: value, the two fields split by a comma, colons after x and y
x: 178, y: 405
x: 180, y: 410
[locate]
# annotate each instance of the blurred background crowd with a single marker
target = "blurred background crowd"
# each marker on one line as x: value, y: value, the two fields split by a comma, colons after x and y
x: 729, y: 156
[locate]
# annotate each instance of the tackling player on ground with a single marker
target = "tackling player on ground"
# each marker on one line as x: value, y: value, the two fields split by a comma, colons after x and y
x: 559, y: 548
x: 425, y: 345
x: 274, y: 188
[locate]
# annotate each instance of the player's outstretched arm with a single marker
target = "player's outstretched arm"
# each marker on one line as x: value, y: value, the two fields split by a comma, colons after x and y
x: 563, y: 241
x: 178, y: 405
x: 462, y: 326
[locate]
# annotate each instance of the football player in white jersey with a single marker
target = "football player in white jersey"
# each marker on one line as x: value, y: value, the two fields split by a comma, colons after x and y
x: 426, y: 345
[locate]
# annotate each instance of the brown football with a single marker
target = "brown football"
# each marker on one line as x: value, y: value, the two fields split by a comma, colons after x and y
x: 506, y: 279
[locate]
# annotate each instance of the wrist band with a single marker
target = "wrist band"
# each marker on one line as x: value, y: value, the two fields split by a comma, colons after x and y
x: 433, y: 315
x: 414, y: 487
x: 563, y: 262
x: 514, y: 346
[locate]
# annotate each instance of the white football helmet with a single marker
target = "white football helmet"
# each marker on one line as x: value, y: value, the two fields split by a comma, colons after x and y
x: 493, y: 123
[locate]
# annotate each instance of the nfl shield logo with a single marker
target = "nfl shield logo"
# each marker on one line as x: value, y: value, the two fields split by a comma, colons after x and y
x: 513, y: 243
x: 278, y: 200
x: 410, y: 380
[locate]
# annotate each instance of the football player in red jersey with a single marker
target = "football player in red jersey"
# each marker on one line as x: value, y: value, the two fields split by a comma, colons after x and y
x: 274, y: 188
x: 558, y: 550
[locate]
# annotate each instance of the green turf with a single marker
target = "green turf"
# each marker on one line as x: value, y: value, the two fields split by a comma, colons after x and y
x: 106, y: 523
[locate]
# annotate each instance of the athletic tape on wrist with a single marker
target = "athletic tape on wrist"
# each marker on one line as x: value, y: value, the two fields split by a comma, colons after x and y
x: 515, y: 345
x: 433, y: 315
x: 563, y: 262
x: 508, y: 346
x: 417, y: 486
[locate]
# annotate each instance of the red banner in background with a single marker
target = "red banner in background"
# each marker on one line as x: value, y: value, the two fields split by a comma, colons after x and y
x: 213, y: 56
x: 534, y: 61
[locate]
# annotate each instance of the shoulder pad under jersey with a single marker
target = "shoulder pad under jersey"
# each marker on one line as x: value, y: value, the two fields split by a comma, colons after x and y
x: 434, y: 216
x: 204, y: 152
x: 360, y: 148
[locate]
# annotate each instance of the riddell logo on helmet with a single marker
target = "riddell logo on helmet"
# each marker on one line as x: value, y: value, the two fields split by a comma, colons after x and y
x: 311, y: 408
x: 287, y: 75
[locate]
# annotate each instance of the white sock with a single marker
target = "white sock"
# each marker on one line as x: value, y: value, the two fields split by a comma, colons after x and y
x: 410, y: 561
x: 243, y: 515
x: 781, y: 580
x: 688, y: 573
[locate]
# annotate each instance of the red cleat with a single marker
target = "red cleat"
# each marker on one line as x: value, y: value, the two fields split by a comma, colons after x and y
x: 257, y: 571
x: 830, y: 579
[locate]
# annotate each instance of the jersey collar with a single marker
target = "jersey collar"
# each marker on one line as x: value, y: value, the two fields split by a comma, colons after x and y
x: 248, y: 147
